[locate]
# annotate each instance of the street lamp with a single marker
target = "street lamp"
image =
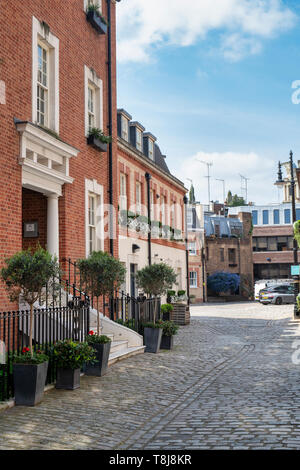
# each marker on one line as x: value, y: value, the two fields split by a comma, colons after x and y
x: 280, y: 182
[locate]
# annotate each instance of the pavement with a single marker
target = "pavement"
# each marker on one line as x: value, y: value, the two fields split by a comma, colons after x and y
x: 231, y: 382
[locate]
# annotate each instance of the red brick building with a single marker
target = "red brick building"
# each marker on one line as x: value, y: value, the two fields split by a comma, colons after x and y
x: 143, y: 173
x: 53, y: 89
x: 218, y: 243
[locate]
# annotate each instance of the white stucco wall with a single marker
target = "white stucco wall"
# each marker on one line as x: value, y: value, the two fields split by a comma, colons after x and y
x: 160, y: 253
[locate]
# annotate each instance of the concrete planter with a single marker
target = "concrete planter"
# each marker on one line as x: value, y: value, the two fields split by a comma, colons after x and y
x: 152, y: 338
x: 101, y: 365
x: 29, y: 383
x: 68, y: 379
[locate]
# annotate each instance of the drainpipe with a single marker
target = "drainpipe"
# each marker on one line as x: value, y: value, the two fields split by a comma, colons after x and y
x: 148, y: 178
x: 185, y: 200
x: 110, y: 128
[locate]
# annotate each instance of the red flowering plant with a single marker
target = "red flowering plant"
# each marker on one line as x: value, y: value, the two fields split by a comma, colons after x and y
x: 26, y: 358
x: 92, y: 338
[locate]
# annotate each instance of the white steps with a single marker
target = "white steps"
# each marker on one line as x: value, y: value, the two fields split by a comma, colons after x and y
x: 119, y: 350
x: 124, y: 354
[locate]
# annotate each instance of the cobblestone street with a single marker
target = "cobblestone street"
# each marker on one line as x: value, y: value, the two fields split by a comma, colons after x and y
x: 229, y: 383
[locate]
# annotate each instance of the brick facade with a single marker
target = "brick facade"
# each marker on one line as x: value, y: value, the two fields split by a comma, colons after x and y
x: 79, y: 45
x: 135, y: 166
x: 236, y: 255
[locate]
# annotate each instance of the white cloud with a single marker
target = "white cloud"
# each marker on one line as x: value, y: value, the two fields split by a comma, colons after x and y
x: 260, y: 170
x: 144, y: 25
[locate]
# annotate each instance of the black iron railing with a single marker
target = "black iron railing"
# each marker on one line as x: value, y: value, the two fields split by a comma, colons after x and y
x: 131, y: 311
x: 49, y: 326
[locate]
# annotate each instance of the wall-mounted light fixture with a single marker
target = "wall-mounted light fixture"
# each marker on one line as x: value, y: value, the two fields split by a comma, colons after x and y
x: 135, y: 248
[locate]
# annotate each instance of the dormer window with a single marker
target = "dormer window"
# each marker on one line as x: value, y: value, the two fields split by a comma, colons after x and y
x: 124, y: 128
x: 136, y: 135
x: 139, y: 139
x: 151, y: 149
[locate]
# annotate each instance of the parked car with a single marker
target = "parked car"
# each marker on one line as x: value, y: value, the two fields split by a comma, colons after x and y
x: 265, y: 283
x: 282, y: 294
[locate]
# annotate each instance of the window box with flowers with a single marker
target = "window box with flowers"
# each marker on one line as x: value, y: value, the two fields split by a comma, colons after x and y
x: 98, y: 139
x: 156, y: 228
x: 95, y: 18
x: 101, y: 345
x: 30, y: 373
x: 166, y: 231
x: 69, y: 357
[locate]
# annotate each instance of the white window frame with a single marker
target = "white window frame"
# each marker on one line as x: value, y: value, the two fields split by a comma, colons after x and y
x: 91, y: 106
x: 192, y: 248
x: 123, y: 191
x: 124, y: 128
x: 193, y: 280
x: 92, y: 225
x: 43, y: 85
x: 139, y: 144
x: 189, y: 217
x: 163, y: 210
x: 152, y: 210
x: 151, y: 153
x: 93, y: 81
x: 94, y: 189
x: 138, y: 198
x: 43, y: 36
x: 95, y: 2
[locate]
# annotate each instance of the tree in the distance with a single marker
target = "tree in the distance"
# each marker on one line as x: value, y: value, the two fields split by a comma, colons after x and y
x: 223, y: 282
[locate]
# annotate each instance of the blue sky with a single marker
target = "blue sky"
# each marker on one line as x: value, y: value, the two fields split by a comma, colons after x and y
x: 212, y: 80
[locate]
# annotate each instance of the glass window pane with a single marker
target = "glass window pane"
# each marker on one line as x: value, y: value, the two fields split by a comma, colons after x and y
x: 254, y: 217
x: 287, y: 216
x: 265, y: 217
x: 276, y: 216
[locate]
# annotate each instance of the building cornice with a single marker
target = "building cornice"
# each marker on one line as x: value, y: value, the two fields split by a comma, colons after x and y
x: 141, y: 158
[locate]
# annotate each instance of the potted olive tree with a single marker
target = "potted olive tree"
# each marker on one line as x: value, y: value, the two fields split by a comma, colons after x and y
x: 26, y: 275
x: 69, y: 357
x: 166, y: 311
x: 155, y: 280
x: 101, y: 274
x: 169, y: 329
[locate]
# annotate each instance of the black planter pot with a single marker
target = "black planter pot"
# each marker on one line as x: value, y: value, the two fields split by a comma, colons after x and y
x: 29, y: 383
x: 97, y: 143
x: 152, y: 338
x: 166, y: 316
x: 102, y: 354
x: 167, y: 342
x: 98, y: 24
x: 68, y: 379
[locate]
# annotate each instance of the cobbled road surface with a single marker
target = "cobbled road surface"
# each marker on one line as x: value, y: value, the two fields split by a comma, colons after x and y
x: 229, y: 383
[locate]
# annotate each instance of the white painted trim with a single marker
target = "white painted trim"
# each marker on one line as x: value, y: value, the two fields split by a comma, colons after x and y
x: 43, y: 177
x: 40, y: 34
x: 93, y: 187
x: 91, y: 77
